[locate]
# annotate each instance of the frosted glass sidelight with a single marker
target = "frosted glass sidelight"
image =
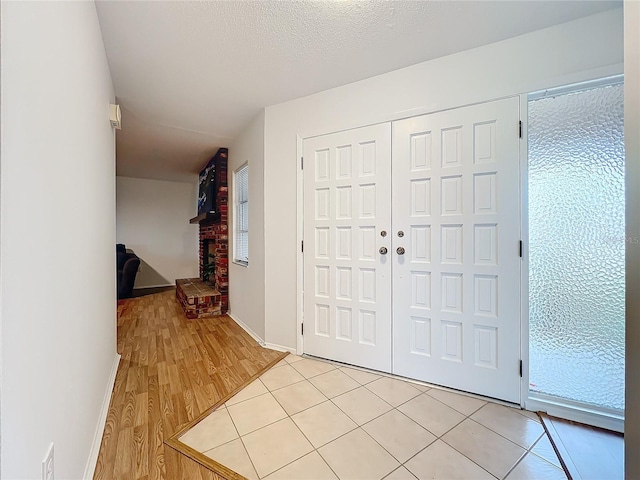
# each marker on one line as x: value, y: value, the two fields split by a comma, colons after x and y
x: 576, y: 246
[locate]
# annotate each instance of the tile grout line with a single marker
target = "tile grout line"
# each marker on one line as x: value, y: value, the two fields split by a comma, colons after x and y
x: 401, y: 464
x: 241, y: 436
x: 353, y: 419
x: 516, y: 464
x: 312, y: 446
x: 404, y: 414
x: 378, y: 416
x: 382, y: 446
x: 330, y: 399
x: 392, y: 407
x: 526, y: 449
x: 488, y: 427
x: 264, y: 426
x: 530, y: 451
x: 468, y: 417
x: 267, y: 424
x: 314, y: 449
x: 543, y: 459
x: 445, y: 442
x: 431, y: 386
x: 312, y: 376
x: 471, y: 419
x: 346, y: 391
x: 363, y: 371
x: 380, y: 397
x: 341, y: 435
x: 249, y: 457
x: 305, y: 409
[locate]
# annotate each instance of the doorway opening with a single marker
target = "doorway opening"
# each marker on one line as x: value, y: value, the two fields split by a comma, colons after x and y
x: 576, y: 206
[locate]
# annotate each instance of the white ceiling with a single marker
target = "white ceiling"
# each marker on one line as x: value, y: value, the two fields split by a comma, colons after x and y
x: 190, y: 75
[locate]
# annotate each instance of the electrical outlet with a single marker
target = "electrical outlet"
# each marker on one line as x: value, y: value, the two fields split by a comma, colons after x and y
x: 47, y: 465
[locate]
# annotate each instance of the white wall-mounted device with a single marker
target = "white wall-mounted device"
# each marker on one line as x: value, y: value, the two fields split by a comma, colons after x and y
x: 115, y: 117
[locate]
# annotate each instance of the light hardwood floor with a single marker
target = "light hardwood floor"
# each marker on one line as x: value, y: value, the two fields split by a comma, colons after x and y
x: 172, y: 371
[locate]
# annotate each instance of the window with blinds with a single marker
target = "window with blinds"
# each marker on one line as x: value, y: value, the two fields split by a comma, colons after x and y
x: 241, y: 215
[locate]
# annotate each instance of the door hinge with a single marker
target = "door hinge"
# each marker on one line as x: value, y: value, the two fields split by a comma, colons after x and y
x: 302, y: 330
x: 520, y: 248
x: 302, y: 246
x: 301, y: 163
x: 520, y: 128
x: 520, y: 368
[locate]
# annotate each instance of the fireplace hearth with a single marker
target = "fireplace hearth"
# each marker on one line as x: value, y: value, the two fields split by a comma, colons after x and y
x: 197, y: 298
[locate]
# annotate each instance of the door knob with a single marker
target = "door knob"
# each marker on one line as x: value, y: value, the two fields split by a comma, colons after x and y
x: 383, y: 250
x: 400, y: 250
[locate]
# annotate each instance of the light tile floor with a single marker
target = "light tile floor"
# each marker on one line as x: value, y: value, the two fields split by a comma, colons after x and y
x: 307, y: 419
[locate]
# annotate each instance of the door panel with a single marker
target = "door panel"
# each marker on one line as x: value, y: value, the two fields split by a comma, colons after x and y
x: 456, y: 288
x: 453, y: 268
x: 347, y: 281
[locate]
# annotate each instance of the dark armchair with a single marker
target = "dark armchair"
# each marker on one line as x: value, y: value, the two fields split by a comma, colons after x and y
x: 127, y: 266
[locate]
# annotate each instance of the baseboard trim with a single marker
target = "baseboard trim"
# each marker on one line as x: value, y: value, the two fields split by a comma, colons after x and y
x: 256, y: 337
x: 246, y: 328
x: 280, y: 348
x: 102, y: 419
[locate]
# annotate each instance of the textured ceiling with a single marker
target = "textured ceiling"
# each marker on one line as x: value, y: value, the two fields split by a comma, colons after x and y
x: 190, y: 75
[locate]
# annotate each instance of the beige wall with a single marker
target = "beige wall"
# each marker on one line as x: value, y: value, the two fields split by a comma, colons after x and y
x: 632, y: 146
x: 57, y: 194
x: 152, y: 219
x: 246, y: 283
x: 576, y: 51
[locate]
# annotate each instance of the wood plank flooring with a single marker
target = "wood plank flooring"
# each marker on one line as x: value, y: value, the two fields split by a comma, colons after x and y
x: 172, y: 371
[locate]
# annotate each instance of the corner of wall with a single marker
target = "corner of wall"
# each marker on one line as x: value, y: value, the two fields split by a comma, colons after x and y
x: 247, y: 283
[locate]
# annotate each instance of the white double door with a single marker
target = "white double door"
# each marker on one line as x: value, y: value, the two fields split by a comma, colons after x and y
x: 411, y: 248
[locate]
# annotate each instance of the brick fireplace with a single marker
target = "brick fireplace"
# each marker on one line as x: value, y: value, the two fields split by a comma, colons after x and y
x: 214, y: 236
x: 197, y: 298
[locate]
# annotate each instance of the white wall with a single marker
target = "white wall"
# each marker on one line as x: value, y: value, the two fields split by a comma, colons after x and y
x: 580, y: 50
x: 246, y: 284
x: 58, y: 233
x: 152, y: 219
x: 632, y: 156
